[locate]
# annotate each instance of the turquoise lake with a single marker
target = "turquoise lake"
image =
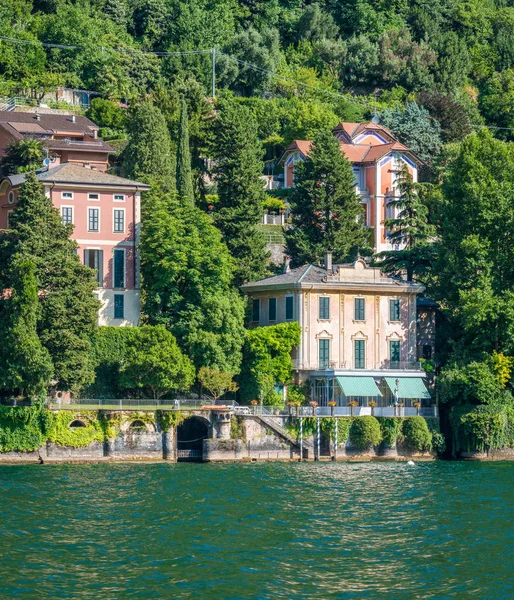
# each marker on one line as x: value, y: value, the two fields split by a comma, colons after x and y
x: 312, y: 530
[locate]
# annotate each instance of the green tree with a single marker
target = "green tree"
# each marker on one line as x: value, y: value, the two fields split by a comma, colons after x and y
x: 154, y: 363
x: 22, y: 156
x: 107, y: 113
x: 67, y: 318
x: 148, y: 153
x: 267, y: 359
x: 325, y: 206
x: 414, y: 127
x: 238, y: 170
x: 184, y: 176
x: 116, y: 10
x: 217, y: 382
x: 27, y: 366
x: 409, y: 231
x: 475, y: 269
x: 496, y: 102
x: 187, y: 277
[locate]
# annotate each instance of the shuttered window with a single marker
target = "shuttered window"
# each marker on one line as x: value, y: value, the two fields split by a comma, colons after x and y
x: 394, y: 310
x: 394, y: 353
x: 324, y: 307
x: 94, y: 260
x: 119, y: 269
x: 324, y: 354
x: 289, y: 308
x: 119, y: 306
x: 256, y: 310
x: 360, y: 354
x: 272, y: 309
x: 360, y: 309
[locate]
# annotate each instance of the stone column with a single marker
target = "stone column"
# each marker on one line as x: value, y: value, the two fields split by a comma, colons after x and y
x: 222, y: 422
x: 168, y: 445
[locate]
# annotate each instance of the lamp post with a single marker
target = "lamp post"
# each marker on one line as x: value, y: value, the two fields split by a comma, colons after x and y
x: 396, y: 383
x: 301, y: 439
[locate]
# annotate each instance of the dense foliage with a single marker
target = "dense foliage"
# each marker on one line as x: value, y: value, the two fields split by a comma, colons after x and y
x: 267, y: 361
x: 66, y: 311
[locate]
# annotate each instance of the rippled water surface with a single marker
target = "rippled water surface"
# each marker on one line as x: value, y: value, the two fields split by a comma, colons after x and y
x: 368, y: 530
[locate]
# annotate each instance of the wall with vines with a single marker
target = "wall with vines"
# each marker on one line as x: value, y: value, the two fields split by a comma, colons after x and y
x: 25, y: 429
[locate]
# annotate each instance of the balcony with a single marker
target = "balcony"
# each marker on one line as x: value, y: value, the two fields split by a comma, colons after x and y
x: 385, y: 365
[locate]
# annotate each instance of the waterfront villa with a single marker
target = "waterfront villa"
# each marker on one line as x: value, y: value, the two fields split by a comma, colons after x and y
x: 105, y: 212
x: 376, y: 157
x: 358, y: 334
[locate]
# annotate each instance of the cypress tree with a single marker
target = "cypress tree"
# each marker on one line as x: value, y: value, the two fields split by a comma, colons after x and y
x: 184, y: 176
x: 67, y: 318
x: 26, y: 364
x: 148, y: 153
x: 238, y: 169
x: 409, y: 231
x: 325, y: 206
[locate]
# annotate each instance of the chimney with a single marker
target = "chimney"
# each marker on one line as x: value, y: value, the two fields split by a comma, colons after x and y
x: 287, y: 262
x: 73, y: 118
x: 328, y: 261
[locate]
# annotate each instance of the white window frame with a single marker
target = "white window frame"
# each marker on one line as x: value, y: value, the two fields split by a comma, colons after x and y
x: 124, y: 220
x: 117, y: 249
x: 72, y: 213
x: 122, y: 199
x: 70, y: 197
x: 117, y: 293
x: 10, y: 197
x: 99, y: 221
x: 93, y: 199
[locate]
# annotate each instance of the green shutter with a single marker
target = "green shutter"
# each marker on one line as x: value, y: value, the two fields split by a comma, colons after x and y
x: 324, y: 354
x: 119, y: 269
x: 360, y: 314
x: 360, y: 354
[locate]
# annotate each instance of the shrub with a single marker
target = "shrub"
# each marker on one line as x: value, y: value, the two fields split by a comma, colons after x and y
x: 390, y: 428
x: 365, y: 432
x: 415, y: 434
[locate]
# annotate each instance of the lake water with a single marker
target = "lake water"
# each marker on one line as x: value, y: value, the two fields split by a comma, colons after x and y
x: 361, y: 530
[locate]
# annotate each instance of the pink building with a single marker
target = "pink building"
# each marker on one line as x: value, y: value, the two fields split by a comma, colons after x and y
x: 376, y: 156
x: 105, y: 212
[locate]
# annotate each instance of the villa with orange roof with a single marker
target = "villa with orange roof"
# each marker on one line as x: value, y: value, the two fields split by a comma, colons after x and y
x: 376, y: 157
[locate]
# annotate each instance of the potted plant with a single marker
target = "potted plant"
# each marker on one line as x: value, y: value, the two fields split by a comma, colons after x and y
x: 417, y: 406
x: 373, y: 404
x: 313, y: 403
x: 332, y: 405
x: 352, y: 404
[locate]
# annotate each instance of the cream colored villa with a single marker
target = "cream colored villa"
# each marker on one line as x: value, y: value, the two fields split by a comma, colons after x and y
x: 358, y: 340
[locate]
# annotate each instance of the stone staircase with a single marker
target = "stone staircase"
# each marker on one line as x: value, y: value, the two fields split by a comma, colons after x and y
x: 279, y: 430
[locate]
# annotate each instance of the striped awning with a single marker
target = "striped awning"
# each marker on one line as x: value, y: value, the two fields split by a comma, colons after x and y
x: 408, y: 387
x: 358, y: 386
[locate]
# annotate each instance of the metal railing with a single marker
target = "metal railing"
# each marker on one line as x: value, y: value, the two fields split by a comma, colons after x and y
x: 379, y: 411
x: 138, y: 404
x: 347, y: 366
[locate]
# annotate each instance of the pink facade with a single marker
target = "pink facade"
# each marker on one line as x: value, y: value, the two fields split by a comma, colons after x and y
x: 105, y: 213
x: 376, y: 157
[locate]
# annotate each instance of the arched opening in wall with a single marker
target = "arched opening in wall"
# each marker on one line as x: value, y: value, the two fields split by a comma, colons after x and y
x: 190, y: 436
x: 77, y: 424
x: 137, y: 426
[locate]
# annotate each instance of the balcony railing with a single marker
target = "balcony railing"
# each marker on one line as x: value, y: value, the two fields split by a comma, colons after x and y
x: 385, y: 365
x: 379, y: 411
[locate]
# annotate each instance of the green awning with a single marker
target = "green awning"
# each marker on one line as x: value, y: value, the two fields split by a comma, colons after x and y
x: 408, y: 387
x: 358, y: 386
